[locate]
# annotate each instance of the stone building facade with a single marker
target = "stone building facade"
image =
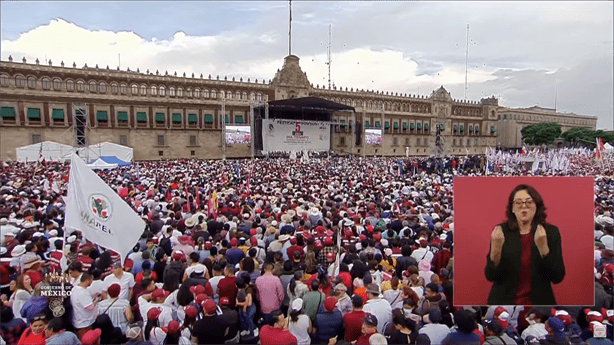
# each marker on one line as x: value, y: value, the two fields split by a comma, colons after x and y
x: 170, y: 116
x: 513, y: 120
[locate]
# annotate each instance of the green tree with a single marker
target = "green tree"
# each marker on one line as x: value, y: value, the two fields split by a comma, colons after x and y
x: 541, y: 133
x: 586, y: 136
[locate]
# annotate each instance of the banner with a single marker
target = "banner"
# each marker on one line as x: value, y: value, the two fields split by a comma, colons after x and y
x: 373, y: 136
x: 293, y: 135
x: 98, y: 212
x: 238, y: 135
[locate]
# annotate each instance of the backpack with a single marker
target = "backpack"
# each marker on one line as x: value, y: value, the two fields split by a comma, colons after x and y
x: 165, y: 244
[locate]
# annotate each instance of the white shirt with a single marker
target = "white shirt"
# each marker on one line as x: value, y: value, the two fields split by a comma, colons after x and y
x: 165, y: 317
x: 214, y: 281
x: 394, y: 297
x: 80, y: 299
x: 97, y: 287
x: 300, y: 329
x: 382, y: 311
x: 116, y: 312
x: 196, y: 267
x: 435, y: 331
x: 538, y: 330
x: 422, y: 253
x: 157, y: 336
x: 126, y: 282
x: 21, y: 297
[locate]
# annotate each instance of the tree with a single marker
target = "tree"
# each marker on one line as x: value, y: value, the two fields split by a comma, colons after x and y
x: 586, y: 136
x: 541, y: 133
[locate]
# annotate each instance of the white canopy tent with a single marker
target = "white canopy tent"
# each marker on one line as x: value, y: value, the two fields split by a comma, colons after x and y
x: 51, y: 151
x: 106, y: 148
x: 100, y: 164
x: 608, y: 147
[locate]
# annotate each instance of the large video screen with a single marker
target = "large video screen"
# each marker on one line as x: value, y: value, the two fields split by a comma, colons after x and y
x: 293, y: 135
x: 238, y: 135
x: 373, y: 136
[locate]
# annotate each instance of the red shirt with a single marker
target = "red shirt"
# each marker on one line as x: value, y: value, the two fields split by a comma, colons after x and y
x: 29, y: 338
x: 364, y: 339
x: 35, y: 277
x: 523, y: 295
x: 228, y: 288
x: 346, y: 278
x: 353, y: 324
x: 276, y: 336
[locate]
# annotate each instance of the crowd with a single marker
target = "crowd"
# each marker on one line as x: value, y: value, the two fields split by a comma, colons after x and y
x: 327, y: 250
x: 238, y: 138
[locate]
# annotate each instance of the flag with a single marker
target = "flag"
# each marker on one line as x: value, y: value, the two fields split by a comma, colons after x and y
x: 598, y: 149
x: 197, y: 198
x: 524, y: 151
x: 98, y: 212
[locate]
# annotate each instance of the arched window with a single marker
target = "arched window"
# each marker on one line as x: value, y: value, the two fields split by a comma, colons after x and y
x: 171, y: 91
x: 123, y: 89
x: 206, y: 93
x: 162, y: 91
x: 4, y: 80
x: 197, y: 93
x: 102, y: 87
x: 244, y: 96
x: 31, y: 82
x: 20, y: 81
x: 189, y: 92
x: 179, y: 92
x: 213, y: 94
x: 259, y: 96
x: 229, y: 94
x: 57, y: 84
x: 154, y: 91
x: 252, y: 96
x: 46, y: 83
x: 135, y: 89
x: 238, y: 95
x: 80, y: 85
x: 114, y: 88
x: 92, y: 86
x: 143, y: 90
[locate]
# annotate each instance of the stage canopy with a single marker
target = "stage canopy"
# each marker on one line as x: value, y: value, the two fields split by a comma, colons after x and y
x: 306, y: 108
x: 107, y: 149
x: 100, y: 164
x: 51, y: 151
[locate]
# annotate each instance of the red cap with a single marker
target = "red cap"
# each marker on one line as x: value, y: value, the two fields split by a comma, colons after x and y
x: 200, y: 298
x: 329, y: 232
x: 191, y: 311
x: 253, y: 241
x: 185, y: 239
x: 207, y: 245
x: 197, y: 289
x: 306, y: 235
x: 178, y: 255
x: 329, y: 303
x: 252, y: 232
x: 362, y: 237
x: 224, y: 301
x: 328, y: 241
x: 369, y: 228
x: 173, y: 327
x: 234, y: 241
x: 293, y: 240
x: 91, y: 337
x: 562, y: 315
x: 153, y: 313
x: 423, y: 243
x: 209, y: 306
x: 159, y: 293
x: 319, y: 245
x: 128, y: 264
x: 348, y: 233
x: 320, y: 229
x: 330, y: 256
x: 377, y: 237
x: 592, y: 315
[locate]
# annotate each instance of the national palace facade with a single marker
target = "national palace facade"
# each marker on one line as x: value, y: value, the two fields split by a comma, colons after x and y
x: 164, y: 116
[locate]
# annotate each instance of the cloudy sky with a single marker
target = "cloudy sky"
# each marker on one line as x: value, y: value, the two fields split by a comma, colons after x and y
x: 521, y: 52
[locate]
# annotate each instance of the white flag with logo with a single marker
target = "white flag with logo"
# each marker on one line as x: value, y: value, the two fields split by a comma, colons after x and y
x: 98, y: 212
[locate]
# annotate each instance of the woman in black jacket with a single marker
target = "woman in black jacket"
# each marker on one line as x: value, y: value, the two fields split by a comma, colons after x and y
x: 525, y: 256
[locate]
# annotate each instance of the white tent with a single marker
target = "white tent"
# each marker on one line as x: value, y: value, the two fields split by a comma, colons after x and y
x: 106, y: 148
x: 51, y: 151
x: 608, y: 147
x: 100, y: 164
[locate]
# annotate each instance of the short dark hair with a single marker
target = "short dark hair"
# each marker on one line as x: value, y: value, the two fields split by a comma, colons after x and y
x: 85, y: 277
x: 55, y: 325
x: 274, y: 317
x: 433, y: 287
x: 540, y: 207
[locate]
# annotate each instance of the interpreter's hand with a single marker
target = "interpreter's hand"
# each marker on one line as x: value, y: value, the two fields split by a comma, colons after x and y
x: 3, y: 298
x: 541, y: 241
x: 332, y: 341
x: 497, y: 239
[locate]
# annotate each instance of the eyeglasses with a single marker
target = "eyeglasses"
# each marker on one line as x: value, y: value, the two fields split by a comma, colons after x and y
x: 39, y: 318
x: 528, y: 203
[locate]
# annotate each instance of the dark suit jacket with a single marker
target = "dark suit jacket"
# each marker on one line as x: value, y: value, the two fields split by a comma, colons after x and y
x: 544, y: 271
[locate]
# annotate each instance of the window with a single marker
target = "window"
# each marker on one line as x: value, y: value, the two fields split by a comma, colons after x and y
x: 238, y: 95
x: 135, y: 90
x: 259, y: 96
x: 20, y: 81
x: 406, y: 141
x: 475, y: 142
x: 229, y: 95
x: 80, y: 85
x: 206, y: 93
x: 179, y: 92
x: 395, y: 141
x: 189, y: 93
x: 192, y: 119
x: 101, y: 116
x: 114, y: 88
x: 176, y: 118
x: 141, y: 117
x: 122, y: 116
x: 154, y: 91
x: 92, y: 86
x: 160, y: 118
x: 244, y: 96
x: 143, y: 90
x: 160, y: 153
x: 193, y: 153
x: 33, y: 114
x: 197, y: 93
x: 7, y: 112
x: 160, y: 140
x: 102, y: 87
x: 31, y: 82
x: 123, y: 89
x: 342, y: 141
x: 171, y: 91
x: 162, y: 91
x: 57, y: 115
x: 57, y: 84
x: 213, y: 94
x: 46, y: 83
x: 36, y: 138
x: 4, y: 80
x: 209, y: 118
x: 192, y: 140
x: 123, y: 140
x: 468, y: 142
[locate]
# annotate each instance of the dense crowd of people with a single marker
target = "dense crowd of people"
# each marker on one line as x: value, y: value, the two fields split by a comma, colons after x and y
x: 324, y: 250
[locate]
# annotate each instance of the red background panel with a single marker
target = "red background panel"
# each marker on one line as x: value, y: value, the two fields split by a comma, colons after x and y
x: 479, y: 205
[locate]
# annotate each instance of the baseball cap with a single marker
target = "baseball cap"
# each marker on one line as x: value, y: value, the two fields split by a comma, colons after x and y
x: 153, y: 313
x: 200, y: 298
x: 197, y: 289
x: 493, y: 325
x: 134, y: 332
x: 224, y: 301
x: 209, y: 306
x: 558, y: 327
x: 173, y: 327
x: 91, y: 337
x: 370, y: 320
x: 329, y: 303
x: 190, y: 311
x: 159, y: 293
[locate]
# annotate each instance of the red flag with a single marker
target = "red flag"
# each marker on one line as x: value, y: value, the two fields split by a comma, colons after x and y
x: 197, y: 198
x: 168, y: 194
x: 599, y: 148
